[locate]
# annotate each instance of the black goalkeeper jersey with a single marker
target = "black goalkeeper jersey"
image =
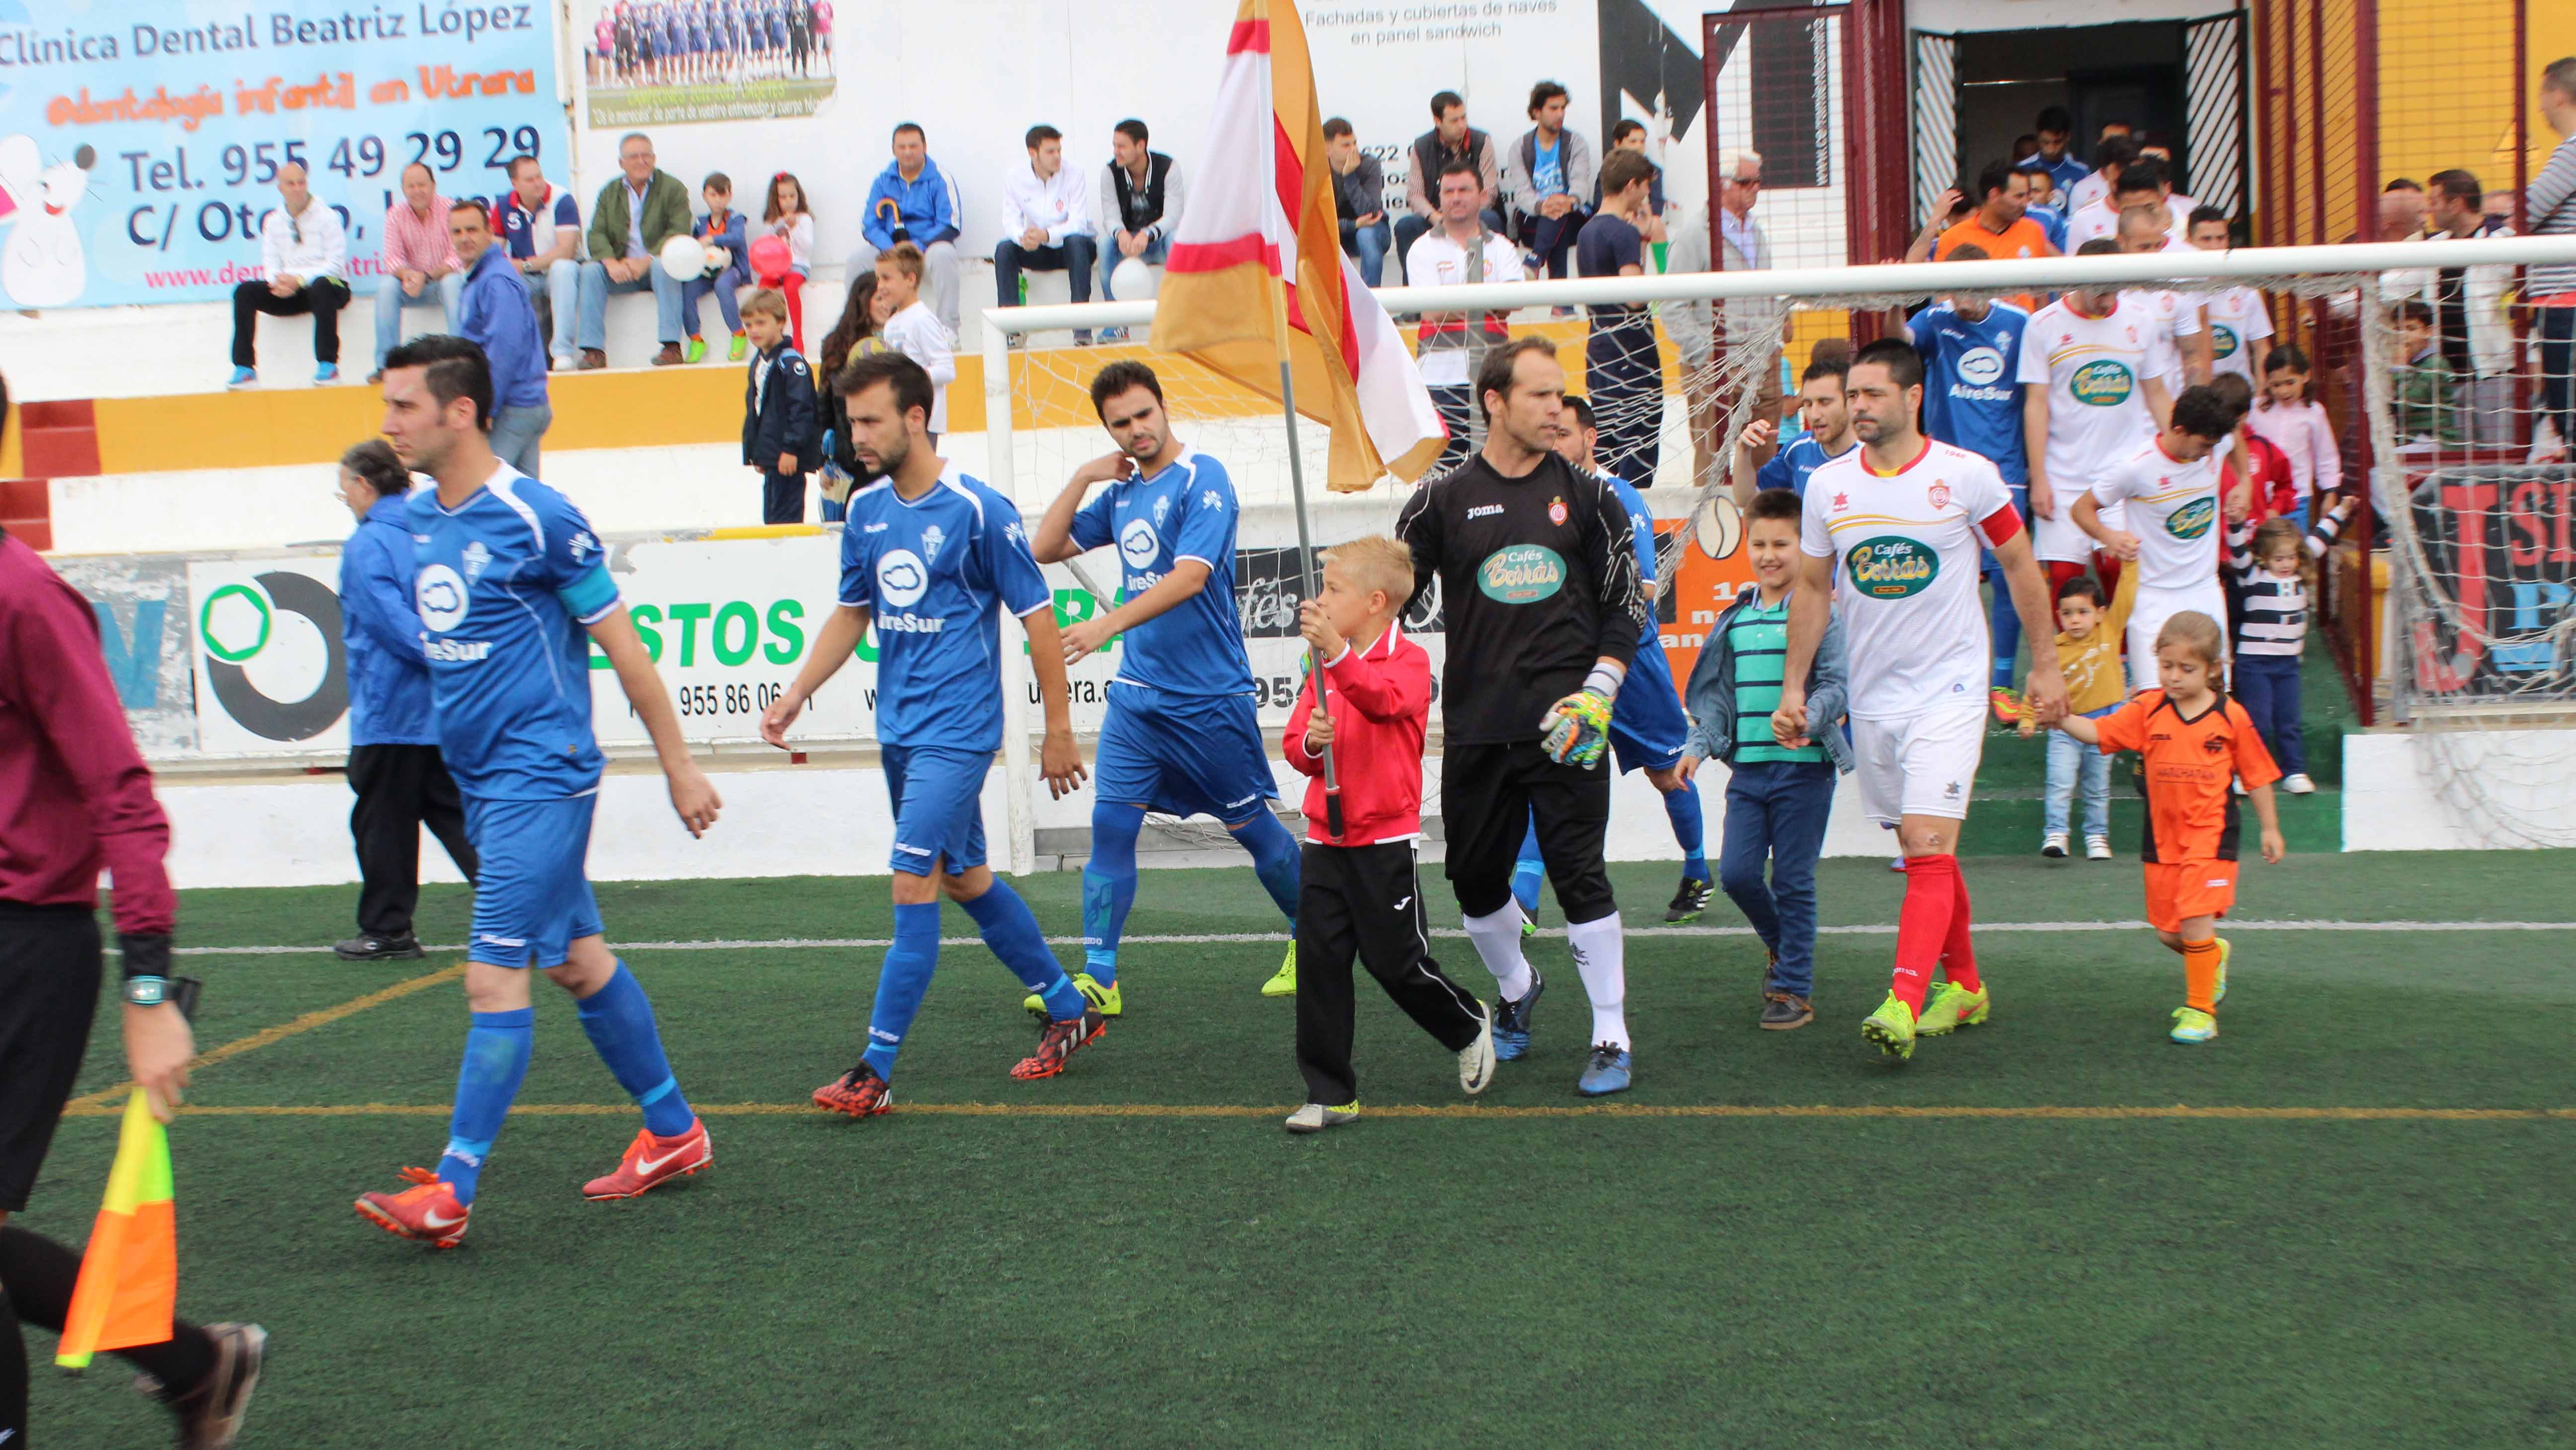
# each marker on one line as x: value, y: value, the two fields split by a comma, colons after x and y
x: 1538, y: 579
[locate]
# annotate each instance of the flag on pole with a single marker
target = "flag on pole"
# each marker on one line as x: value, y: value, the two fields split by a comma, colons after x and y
x: 129, y: 1278
x: 1241, y: 231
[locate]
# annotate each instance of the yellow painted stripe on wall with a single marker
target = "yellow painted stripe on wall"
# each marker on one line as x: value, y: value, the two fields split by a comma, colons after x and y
x: 13, y: 460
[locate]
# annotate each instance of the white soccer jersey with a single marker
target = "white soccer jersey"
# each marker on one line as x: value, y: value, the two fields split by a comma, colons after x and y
x: 2237, y: 321
x: 2095, y: 370
x: 1906, y: 552
x: 2172, y: 507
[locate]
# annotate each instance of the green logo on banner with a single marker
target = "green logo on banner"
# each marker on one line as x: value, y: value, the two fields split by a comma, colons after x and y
x: 2103, y: 384
x: 1889, y: 567
x: 1521, y: 574
x: 2193, y: 519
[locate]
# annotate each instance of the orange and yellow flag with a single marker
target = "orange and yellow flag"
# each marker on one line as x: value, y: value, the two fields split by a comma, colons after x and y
x: 129, y: 1278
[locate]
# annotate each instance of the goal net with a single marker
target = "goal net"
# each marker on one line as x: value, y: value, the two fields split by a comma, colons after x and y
x: 2443, y: 598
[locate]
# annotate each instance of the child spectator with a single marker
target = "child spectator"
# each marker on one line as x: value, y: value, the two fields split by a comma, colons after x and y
x: 2291, y: 418
x: 2274, y: 575
x: 2424, y: 406
x: 2179, y: 730
x: 855, y: 335
x: 912, y: 329
x: 778, y: 419
x: 1777, y: 796
x: 785, y: 216
x: 728, y: 269
x: 2088, y: 655
x: 1358, y: 891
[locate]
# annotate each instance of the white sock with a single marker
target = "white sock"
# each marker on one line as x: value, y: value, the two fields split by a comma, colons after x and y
x: 1497, y: 939
x: 1601, y: 955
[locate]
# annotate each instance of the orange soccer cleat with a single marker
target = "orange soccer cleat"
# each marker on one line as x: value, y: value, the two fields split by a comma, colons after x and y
x: 650, y: 1161
x: 858, y: 1092
x: 428, y: 1212
x: 1058, y: 1041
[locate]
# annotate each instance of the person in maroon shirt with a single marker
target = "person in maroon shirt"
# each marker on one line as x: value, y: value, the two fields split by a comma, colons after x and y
x: 75, y: 796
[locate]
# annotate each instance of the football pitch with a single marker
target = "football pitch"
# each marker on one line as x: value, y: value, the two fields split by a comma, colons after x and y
x: 2346, y: 1222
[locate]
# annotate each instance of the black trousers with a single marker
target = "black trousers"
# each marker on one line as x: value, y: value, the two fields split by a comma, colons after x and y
x: 1364, y: 900
x: 401, y: 788
x: 1625, y: 375
x: 782, y: 498
x: 1489, y: 795
x: 323, y: 297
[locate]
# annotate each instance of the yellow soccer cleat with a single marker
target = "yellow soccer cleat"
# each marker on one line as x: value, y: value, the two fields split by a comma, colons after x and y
x: 2220, y: 995
x: 1891, y: 1027
x: 1104, y: 1000
x: 2192, y: 1026
x: 1950, y: 1007
x: 1283, y: 983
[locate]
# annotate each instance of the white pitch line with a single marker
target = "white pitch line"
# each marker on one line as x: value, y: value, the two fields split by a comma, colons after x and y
x: 1277, y: 937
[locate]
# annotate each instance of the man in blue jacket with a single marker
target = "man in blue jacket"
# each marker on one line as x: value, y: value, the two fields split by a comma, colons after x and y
x: 914, y: 201
x: 394, y: 765
x: 494, y: 313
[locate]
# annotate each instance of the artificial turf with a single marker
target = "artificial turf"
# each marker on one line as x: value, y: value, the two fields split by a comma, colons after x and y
x: 1188, y: 1275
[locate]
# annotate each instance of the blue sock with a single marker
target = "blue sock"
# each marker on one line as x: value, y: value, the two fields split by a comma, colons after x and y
x: 1108, y: 886
x: 1529, y: 871
x: 1011, y: 931
x: 1274, y: 860
x: 901, y: 981
x: 496, y: 1061
x: 2007, y: 632
x: 619, y: 1019
x: 1688, y: 830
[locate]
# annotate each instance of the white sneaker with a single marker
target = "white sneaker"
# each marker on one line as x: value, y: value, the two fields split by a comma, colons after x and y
x: 2299, y: 784
x: 2240, y: 788
x: 2097, y: 848
x: 2053, y: 845
x: 1315, y: 1117
x: 1476, y: 1059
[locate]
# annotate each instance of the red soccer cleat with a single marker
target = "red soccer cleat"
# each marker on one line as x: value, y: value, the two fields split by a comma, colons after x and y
x: 428, y: 1212
x: 858, y: 1092
x: 650, y: 1160
x: 1060, y: 1040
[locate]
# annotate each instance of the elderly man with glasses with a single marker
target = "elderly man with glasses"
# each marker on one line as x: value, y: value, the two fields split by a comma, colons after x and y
x: 304, y: 253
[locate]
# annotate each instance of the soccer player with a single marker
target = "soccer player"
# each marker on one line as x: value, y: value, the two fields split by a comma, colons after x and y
x: 1828, y: 418
x: 2237, y: 317
x: 1971, y: 349
x: 1538, y: 579
x: 2170, y: 492
x: 2094, y: 364
x: 926, y: 559
x: 1647, y: 728
x: 513, y: 588
x: 1890, y: 538
x: 1182, y: 736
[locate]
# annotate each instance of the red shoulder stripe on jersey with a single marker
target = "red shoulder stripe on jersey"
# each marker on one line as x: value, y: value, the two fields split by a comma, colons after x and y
x: 2002, y: 524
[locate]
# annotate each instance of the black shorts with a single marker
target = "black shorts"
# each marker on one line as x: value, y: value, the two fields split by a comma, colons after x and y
x: 1488, y: 795
x: 49, y: 970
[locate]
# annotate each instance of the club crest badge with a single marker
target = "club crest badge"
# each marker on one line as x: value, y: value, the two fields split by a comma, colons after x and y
x: 1938, y: 494
x: 1556, y: 511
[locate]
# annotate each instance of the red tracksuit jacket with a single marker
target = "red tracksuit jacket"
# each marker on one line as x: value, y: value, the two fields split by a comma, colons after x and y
x: 1380, y: 704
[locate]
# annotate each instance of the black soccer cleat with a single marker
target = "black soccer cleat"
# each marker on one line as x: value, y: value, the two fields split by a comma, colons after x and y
x: 1689, y: 901
x: 366, y: 947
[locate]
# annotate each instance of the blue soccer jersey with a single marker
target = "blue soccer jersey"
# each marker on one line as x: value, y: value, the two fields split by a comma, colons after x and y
x: 1796, y: 459
x: 931, y: 570
x: 1186, y: 511
x: 1641, y: 527
x: 1970, y: 398
x: 505, y: 584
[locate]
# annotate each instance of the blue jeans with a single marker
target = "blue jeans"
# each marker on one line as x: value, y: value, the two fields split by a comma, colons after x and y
x: 1369, y: 244
x: 2268, y: 687
x: 595, y: 290
x: 2069, y: 759
x: 1075, y: 256
x: 2557, y: 331
x: 390, y: 303
x: 1775, y: 814
x: 723, y: 284
x: 561, y: 289
x: 1153, y: 255
x: 515, y: 434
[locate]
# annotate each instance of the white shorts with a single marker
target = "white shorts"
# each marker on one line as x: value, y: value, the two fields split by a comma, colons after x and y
x: 2148, y: 615
x: 1919, y: 765
x: 2060, y: 540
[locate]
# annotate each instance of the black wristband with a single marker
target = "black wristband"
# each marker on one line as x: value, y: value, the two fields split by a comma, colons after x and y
x: 145, y: 956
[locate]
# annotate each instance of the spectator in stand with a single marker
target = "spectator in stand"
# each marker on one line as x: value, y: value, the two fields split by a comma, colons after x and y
x: 415, y: 256
x: 783, y: 213
x: 2426, y: 406
x: 1449, y: 139
x: 1622, y: 367
x: 1359, y: 199
x: 1631, y: 135
x: 637, y: 211
x: 779, y: 430
x: 1463, y: 252
x: 1548, y: 182
x: 2549, y: 209
x: 304, y: 252
x: 541, y: 228
x: 2402, y: 208
x: 395, y: 769
x: 728, y: 270
x: 2111, y: 156
x: 914, y: 201
x: 1141, y: 197
x: 912, y: 329
x: 1046, y: 226
x: 2469, y: 309
x: 493, y: 312
x: 2055, y: 128
x: 855, y: 335
x: 2289, y: 415
x: 1741, y: 246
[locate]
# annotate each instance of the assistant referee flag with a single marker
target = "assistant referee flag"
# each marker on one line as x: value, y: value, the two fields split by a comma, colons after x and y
x: 129, y: 1278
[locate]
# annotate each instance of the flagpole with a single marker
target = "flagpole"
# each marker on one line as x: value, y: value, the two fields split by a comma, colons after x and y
x: 1305, y: 536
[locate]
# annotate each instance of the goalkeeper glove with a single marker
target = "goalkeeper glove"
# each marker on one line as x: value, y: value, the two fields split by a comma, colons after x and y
x: 1577, y: 729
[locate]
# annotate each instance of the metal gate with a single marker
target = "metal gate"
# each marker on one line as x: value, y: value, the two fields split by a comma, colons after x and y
x: 2214, y: 110
x: 1935, y: 118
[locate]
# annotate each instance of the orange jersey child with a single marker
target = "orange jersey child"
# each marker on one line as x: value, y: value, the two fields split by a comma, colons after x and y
x: 2193, y: 741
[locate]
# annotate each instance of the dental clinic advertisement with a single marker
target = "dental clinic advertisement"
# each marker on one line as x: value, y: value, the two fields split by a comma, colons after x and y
x: 140, y: 140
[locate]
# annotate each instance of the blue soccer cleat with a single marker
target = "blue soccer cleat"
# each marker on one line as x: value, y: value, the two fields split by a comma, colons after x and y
x: 1512, y: 1022
x: 1607, y: 1073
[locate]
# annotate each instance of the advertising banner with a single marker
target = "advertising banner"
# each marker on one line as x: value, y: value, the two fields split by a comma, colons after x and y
x: 140, y: 142
x: 143, y: 628
x: 2498, y: 540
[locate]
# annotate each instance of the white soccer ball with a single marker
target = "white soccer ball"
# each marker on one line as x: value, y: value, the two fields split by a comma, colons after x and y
x: 1720, y: 528
x: 684, y: 258
x: 1132, y: 281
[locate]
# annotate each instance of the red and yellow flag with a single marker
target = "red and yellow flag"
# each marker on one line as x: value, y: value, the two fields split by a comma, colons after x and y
x: 129, y: 1278
x: 1261, y: 215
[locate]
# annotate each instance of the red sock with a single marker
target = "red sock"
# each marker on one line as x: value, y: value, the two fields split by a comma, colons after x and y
x: 1923, y: 923
x: 2059, y: 572
x: 1958, y: 955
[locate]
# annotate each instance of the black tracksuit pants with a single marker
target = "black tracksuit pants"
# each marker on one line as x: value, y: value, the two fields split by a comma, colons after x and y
x: 1365, y: 900
x: 400, y: 789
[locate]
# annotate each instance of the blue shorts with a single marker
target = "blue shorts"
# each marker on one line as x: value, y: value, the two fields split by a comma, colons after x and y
x: 531, y: 895
x: 1184, y: 755
x: 1647, y: 726
x: 938, y: 807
